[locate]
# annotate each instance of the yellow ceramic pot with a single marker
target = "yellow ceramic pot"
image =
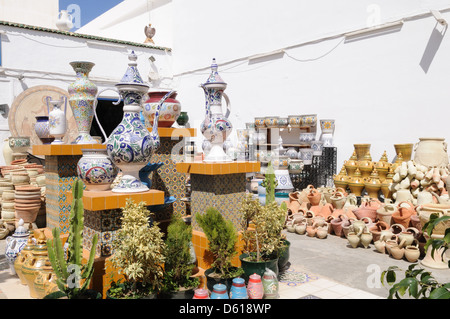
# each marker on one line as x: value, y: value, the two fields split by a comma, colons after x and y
x: 36, y: 262
x: 373, y: 184
x: 405, y: 149
x: 356, y: 183
x: 361, y: 150
x: 351, y: 165
x: 22, y: 257
x: 42, y: 276
x: 365, y: 165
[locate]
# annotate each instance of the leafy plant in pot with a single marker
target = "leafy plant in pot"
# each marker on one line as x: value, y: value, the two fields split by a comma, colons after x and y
x: 70, y: 271
x: 418, y: 282
x: 222, y: 238
x: 262, y: 226
x: 178, y: 282
x: 138, y: 255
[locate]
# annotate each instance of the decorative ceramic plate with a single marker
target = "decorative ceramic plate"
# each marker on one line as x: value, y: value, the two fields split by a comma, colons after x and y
x: 31, y: 103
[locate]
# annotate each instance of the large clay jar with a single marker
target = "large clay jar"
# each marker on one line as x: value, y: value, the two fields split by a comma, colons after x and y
x: 384, y: 213
x: 82, y: 94
x: 24, y: 255
x: 336, y: 224
x: 403, y: 215
x: 431, y: 152
x: 169, y: 112
x: 368, y: 209
x: 96, y: 170
x: 425, y: 211
x: 36, y: 262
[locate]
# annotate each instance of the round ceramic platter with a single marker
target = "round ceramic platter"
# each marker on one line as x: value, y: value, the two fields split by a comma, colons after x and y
x: 31, y: 103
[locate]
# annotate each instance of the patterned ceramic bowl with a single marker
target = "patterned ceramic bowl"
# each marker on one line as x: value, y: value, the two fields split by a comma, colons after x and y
x: 306, y: 155
x: 309, y: 120
x: 296, y: 166
x: 327, y: 126
x: 271, y: 121
x: 317, y: 146
x: 295, y: 120
x: 19, y: 144
x: 259, y: 122
x: 307, y: 137
x: 280, y: 162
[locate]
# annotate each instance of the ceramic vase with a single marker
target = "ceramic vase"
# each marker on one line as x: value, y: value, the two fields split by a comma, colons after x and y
x: 238, y: 289
x: 270, y: 285
x: 353, y: 239
x: 255, y: 289
x: 130, y: 145
x: 41, y: 278
x: 57, y: 118
x: 216, y: 126
x: 14, y: 245
x: 361, y: 150
x: 219, y: 292
x: 183, y: 119
x: 42, y: 129
x: 306, y: 155
x: 169, y: 111
x: 23, y: 256
x: 36, y: 262
x: 82, y: 94
x: 431, y: 152
x: 96, y: 170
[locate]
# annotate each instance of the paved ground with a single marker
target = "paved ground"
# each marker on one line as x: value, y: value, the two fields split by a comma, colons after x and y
x: 318, y: 268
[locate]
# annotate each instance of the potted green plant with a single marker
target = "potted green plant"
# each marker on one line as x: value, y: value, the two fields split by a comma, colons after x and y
x: 178, y: 282
x: 262, y: 225
x: 222, y: 239
x: 73, y: 277
x: 418, y: 282
x: 138, y: 255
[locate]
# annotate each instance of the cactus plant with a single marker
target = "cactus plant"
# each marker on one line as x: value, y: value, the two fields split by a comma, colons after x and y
x: 70, y: 270
x: 270, y: 183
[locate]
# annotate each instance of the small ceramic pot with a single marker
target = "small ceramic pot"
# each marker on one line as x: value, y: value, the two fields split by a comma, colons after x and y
x: 238, y: 289
x: 201, y: 293
x: 309, y: 120
x: 259, y: 122
x: 169, y: 111
x: 219, y: 292
x: 296, y: 166
x: 295, y: 120
x: 19, y: 144
x: 42, y: 130
x: 283, y: 122
x: 307, y: 137
x: 255, y: 289
x: 96, y: 170
x: 317, y: 147
x: 291, y: 153
x: 306, y: 155
x: 327, y: 126
x: 271, y: 121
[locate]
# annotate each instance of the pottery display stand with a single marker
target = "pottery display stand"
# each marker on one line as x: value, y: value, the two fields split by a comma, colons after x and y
x: 218, y: 185
x: 167, y: 178
x: 60, y: 173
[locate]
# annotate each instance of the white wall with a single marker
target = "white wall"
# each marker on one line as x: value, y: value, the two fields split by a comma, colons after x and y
x: 43, y: 13
x: 31, y: 58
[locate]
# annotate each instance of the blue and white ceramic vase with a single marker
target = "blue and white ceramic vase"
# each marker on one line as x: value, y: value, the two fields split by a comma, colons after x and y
x: 219, y: 292
x: 216, y: 127
x: 238, y: 289
x: 130, y: 145
x: 82, y: 94
x: 15, y: 243
x: 42, y: 129
x: 96, y: 170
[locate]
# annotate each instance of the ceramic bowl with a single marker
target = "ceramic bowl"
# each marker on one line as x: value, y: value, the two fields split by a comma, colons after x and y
x: 296, y: 166
x: 259, y: 122
x: 307, y: 137
x: 271, y: 121
x: 19, y: 144
x: 8, y: 205
x: 295, y: 120
x: 8, y: 194
x: 8, y: 214
x: 19, y: 178
x: 309, y: 120
x: 327, y: 126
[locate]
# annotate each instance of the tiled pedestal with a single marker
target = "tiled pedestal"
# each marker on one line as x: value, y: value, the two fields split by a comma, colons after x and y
x: 60, y: 173
x: 219, y: 185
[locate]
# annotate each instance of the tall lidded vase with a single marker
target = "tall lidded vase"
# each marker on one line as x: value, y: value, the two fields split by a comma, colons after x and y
x: 130, y: 145
x: 216, y: 127
x: 82, y: 94
x: 57, y: 122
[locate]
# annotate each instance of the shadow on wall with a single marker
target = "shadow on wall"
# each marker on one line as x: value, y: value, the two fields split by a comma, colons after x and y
x: 432, y: 47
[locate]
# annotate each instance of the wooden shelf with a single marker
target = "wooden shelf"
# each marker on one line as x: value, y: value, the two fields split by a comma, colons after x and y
x: 106, y: 200
x: 203, y: 168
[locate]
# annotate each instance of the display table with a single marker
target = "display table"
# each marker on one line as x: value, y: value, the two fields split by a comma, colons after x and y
x: 218, y: 185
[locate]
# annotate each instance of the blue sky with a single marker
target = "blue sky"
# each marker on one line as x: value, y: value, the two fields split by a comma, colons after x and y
x: 88, y: 9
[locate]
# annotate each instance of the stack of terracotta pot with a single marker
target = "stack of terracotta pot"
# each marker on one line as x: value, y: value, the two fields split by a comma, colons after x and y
x: 27, y: 203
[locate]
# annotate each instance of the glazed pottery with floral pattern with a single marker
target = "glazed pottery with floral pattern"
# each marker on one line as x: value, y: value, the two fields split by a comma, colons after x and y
x: 255, y: 289
x: 327, y: 126
x: 15, y: 243
x: 42, y: 129
x: 96, y: 170
x: 169, y: 111
x: 57, y: 118
x: 82, y: 93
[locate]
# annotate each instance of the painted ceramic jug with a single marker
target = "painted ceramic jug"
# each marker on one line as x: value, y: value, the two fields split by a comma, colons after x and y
x: 57, y: 119
x: 15, y: 243
x: 82, y: 94
x: 42, y: 129
x: 216, y: 127
x: 130, y: 145
x: 169, y: 112
x: 96, y: 170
